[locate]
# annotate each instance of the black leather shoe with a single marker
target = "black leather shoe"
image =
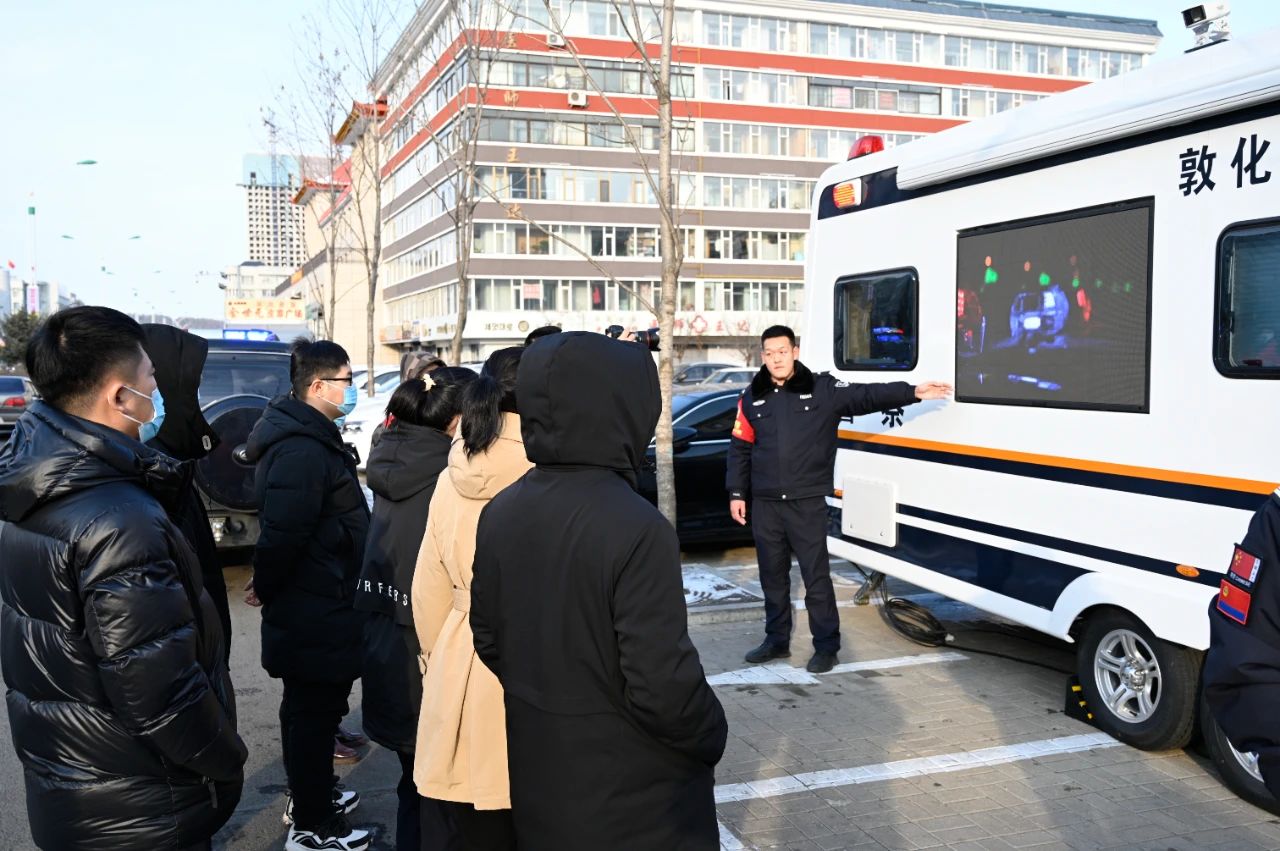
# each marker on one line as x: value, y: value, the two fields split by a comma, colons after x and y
x: 821, y: 663
x: 768, y: 651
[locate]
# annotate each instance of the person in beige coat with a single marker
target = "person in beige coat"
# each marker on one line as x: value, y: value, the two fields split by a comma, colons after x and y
x: 462, y: 740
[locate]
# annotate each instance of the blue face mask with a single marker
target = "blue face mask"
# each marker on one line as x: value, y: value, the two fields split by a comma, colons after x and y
x: 349, y: 398
x: 149, y: 429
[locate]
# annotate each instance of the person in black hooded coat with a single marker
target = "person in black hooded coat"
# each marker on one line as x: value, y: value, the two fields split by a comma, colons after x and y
x: 179, y: 359
x: 577, y: 606
x: 402, y: 471
x: 119, y: 702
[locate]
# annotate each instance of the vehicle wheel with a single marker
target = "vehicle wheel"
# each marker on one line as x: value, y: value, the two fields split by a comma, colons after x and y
x: 1238, y: 770
x: 1142, y: 690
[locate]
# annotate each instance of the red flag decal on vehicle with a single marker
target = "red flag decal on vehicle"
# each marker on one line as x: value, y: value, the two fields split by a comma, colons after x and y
x: 741, y: 428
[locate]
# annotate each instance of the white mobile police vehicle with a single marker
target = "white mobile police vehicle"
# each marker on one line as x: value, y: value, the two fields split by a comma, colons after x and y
x: 1100, y: 272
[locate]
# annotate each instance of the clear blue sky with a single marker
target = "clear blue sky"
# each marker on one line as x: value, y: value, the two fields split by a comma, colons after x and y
x: 166, y: 96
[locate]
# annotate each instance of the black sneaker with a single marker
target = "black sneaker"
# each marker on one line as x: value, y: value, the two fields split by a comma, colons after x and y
x: 344, y: 801
x: 768, y: 651
x: 336, y: 834
x: 821, y: 662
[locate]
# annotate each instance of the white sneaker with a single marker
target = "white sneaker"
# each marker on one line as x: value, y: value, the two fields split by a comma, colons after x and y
x: 344, y: 801
x: 336, y: 834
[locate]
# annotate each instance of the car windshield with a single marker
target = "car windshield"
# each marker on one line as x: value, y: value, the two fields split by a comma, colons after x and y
x: 235, y: 373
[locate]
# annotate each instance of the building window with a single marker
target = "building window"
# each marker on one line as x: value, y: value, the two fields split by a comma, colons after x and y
x: 877, y: 320
x: 1248, y: 316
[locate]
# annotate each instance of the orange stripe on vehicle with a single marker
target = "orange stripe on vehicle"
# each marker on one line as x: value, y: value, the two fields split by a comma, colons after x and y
x: 1176, y: 476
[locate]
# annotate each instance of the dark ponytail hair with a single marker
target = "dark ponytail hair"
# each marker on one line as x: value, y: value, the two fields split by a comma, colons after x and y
x: 413, y: 403
x: 485, y: 399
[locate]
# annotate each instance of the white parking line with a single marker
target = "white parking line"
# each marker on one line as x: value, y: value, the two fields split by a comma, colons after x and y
x: 779, y: 673
x: 729, y: 842
x: 787, y: 784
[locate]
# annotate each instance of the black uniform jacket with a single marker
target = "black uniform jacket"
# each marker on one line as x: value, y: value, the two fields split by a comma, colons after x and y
x: 314, y: 522
x: 784, y: 440
x: 1242, y: 668
x: 119, y: 701
x: 577, y: 605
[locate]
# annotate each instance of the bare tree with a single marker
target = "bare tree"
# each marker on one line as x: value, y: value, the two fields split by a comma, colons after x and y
x: 367, y: 27
x: 304, y: 121
x: 643, y: 22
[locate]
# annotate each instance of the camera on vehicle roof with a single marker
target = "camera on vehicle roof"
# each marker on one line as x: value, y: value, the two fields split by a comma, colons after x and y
x: 648, y: 338
x: 1208, y: 22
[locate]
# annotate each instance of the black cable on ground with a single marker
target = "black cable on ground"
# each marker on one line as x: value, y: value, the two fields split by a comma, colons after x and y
x: 918, y: 624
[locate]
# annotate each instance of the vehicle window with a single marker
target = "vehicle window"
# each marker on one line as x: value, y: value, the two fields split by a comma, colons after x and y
x: 1054, y: 312
x: 234, y: 373
x: 714, y: 420
x: 11, y: 386
x: 1245, y: 345
x: 876, y: 319
x: 389, y: 382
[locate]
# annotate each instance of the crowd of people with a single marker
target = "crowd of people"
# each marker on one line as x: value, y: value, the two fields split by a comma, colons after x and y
x: 512, y: 607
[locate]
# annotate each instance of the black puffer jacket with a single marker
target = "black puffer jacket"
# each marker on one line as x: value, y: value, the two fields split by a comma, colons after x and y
x: 577, y: 606
x: 402, y: 472
x: 118, y: 696
x: 314, y: 523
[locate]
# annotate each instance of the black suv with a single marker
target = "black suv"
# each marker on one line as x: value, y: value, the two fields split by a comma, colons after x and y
x: 239, y: 378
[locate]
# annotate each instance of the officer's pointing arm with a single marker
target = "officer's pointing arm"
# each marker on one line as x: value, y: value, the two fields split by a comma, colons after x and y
x: 851, y: 399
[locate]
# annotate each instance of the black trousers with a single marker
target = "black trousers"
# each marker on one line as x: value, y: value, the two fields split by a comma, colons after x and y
x: 309, y: 716
x: 782, y: 527
x: 481, y: 830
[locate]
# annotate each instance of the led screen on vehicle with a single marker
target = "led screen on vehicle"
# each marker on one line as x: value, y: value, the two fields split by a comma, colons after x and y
x: 1055, y: 312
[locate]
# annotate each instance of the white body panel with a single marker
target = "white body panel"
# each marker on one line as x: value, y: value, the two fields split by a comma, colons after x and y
x: 1198, y: 421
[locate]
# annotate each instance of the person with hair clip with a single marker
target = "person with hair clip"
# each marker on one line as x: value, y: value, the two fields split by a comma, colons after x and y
x: 402, y: 472
x: 461, y: 755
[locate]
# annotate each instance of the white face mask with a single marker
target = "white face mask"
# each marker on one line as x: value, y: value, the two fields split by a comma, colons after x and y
x: 150, y: 428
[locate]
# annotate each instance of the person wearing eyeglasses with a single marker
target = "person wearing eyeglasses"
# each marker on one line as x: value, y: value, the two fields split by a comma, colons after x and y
x: 314, y: 522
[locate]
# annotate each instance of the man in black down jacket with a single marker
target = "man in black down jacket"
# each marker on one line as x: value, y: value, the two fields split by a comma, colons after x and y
x: 314, y: 522
x: 577, y: 606
x: 184, y: 434
x: 119, y: 701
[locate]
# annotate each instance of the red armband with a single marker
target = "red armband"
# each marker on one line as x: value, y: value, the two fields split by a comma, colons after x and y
x: 741, y: 428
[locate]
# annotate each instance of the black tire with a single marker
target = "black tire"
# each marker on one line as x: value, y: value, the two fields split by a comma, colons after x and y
x: 1233, y: 772
x: 1169, y: 720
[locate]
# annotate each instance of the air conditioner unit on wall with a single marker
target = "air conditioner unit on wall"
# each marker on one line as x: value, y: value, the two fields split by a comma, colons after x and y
x: 578, y: 98
x: 555, y: 40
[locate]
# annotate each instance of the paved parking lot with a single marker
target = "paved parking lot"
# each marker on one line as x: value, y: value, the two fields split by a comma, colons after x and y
x: 900, y: 747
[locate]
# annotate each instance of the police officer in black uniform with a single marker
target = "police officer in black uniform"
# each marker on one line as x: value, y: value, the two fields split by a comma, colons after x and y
x: 782, y: 457
x: 1242, y: 668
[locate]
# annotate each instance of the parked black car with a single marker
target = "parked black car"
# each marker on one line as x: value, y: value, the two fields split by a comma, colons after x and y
x: 702, y: 422
x: 16, y: 393
x: 239, y: 378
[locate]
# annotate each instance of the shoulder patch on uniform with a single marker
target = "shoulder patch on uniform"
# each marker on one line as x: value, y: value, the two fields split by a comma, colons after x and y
x: 842, y: 384
x: 806, y: 395
x: 758, y: 402
x: 1244, y: 569
x: 1234, y: 602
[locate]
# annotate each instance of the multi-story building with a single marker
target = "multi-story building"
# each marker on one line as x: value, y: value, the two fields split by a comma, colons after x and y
x: 768, y: 93
x: 274, y: 230
x: 340, y: 211
x: 42, y: 298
